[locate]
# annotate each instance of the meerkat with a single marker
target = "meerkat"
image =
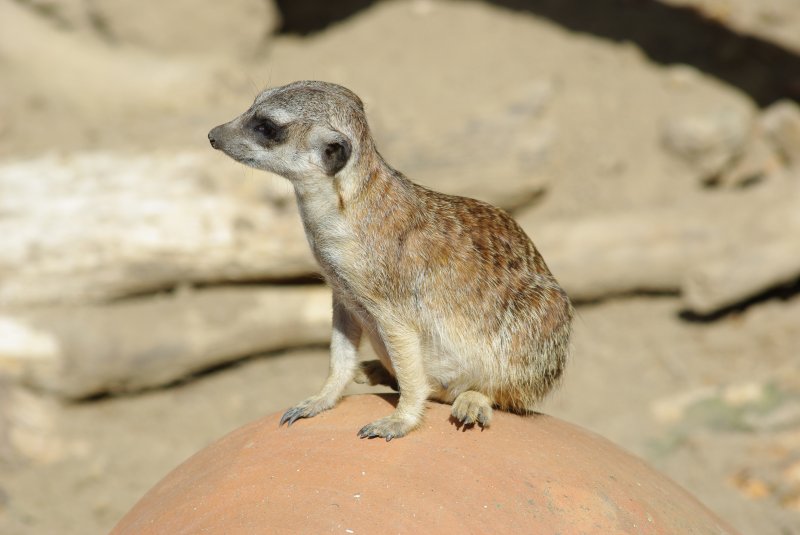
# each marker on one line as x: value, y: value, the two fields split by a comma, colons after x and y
x: 457, y: 302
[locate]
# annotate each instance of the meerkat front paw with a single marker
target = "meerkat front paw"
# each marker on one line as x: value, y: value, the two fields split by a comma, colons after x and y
x: 389, y: 427
x: 373, y: 372
x: 305, y: 409
x: 472, y: 407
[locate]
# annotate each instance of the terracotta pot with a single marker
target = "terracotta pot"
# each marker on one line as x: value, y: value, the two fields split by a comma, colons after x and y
x: 533, y: 474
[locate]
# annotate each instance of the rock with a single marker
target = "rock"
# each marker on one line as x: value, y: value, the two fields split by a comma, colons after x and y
x: 98, y: 226
x: 318, y: 477
x: 752, y: 487
x: 7, y: 452
x: 240, y: 28
x: 235, y: 28
x: 79, y: 72
x: 781, y: 123
x: 147, y: 342
x: 773, y: 21
x: 709, y: 143
x: 759, y: 161
x: 66, y: 14
x: 553, y: 123
x: 508, y: 143
x: 20, y: 344
x: 28, y: 427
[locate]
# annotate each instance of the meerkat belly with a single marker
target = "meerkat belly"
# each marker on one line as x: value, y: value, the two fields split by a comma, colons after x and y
x: 455, y: 362
x: 447, y: 371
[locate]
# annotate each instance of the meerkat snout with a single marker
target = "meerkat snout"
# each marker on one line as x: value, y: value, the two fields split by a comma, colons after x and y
x: 212, y: 138
x: 457, y: 302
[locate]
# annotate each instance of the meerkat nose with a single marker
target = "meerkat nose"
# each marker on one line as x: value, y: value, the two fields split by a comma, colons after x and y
x: 212, y: 137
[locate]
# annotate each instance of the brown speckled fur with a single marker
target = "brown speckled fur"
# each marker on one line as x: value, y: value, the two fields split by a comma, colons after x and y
x: 453, y: 295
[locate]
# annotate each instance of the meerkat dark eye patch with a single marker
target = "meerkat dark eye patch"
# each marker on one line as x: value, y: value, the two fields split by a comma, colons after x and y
x: 335, y: 156
x: 268, y: 130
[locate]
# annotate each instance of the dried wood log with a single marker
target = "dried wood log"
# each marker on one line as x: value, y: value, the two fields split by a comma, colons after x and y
x: 101, y: 226
x: 738, y: 275
x: 147, y: 342
x: 764, y: 255
x: 618, y: 254
x: 717, y: 249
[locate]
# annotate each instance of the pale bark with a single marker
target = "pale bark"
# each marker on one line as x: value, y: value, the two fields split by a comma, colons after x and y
x: 717, y: 250
x: 740, y: 274
x: 148, y: 342
x: 100, y: 226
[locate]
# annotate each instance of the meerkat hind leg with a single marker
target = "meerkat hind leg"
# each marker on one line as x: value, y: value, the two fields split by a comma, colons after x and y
x: 472, y: 407
x: 404, y: 349
x: 373, y: 372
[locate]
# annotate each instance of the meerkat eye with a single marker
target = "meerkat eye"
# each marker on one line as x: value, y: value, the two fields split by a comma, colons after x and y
x: 266, y: 128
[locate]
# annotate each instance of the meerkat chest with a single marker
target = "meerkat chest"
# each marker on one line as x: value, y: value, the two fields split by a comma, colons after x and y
x: 330, y: 234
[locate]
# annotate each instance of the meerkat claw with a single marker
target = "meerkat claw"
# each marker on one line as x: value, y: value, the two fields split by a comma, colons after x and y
x: 291, y: 416
x: 483, y: 420
x: 306, y: 409
x: 472, y: 407
x: 388, y: 428
x: 364, y: 433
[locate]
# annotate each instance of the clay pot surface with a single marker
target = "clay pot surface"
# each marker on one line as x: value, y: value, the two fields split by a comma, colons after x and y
x: 532, y: 474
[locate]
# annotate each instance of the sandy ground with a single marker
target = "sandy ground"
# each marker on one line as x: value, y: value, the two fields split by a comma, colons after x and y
x: 713, y: 404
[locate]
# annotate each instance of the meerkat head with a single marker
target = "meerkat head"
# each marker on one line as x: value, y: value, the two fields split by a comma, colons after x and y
x: 299, y: 131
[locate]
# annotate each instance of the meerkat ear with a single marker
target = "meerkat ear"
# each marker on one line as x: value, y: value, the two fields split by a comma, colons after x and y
x: 335, y: 155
